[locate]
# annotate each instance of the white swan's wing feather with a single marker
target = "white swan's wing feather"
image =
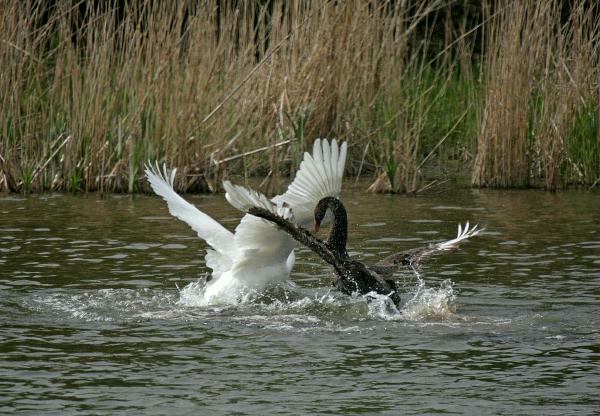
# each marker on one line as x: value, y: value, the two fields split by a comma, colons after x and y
x: 244, y: 198
x: 261, y: 245
x: 319, y: 175
x: 217, y: 236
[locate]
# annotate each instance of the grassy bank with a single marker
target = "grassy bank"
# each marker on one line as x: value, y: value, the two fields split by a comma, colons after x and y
x: 88, y: 94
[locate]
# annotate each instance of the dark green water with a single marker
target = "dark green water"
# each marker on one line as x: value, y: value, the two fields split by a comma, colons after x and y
x: 92, y: 321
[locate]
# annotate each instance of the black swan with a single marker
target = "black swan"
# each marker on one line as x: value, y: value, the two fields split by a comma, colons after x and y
x: 350, y: 276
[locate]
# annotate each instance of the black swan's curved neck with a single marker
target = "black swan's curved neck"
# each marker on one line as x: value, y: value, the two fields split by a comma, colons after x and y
x: 338, y: 236
x: 351, y: 276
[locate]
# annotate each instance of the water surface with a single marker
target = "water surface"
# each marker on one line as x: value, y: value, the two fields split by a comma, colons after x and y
x: 93, y: 321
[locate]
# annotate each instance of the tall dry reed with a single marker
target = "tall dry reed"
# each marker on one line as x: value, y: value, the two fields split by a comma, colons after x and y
x: 88, y: 93
x: 540, y: 73
x: 85, y: 101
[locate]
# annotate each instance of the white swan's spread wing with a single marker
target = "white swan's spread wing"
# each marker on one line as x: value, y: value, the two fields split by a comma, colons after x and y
x: 244, y: 198
x: 265, y: 250
x: 217, y: 236
x: 319, y: 175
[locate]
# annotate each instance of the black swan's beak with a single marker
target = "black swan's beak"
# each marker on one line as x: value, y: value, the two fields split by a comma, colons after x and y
x: 316, y: 226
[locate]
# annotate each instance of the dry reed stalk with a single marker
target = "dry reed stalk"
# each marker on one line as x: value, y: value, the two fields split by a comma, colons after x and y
x: 145, y: 85
x: 532, y: 98
x: 420, y: 87
x: 141, y: 82
x: 514, y: 43
x: 573, y: 63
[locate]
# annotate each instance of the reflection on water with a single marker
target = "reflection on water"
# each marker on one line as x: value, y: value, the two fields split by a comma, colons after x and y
x: 98, y: 313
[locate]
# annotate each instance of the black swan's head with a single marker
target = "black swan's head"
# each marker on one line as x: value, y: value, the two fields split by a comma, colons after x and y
x: 323, y: 205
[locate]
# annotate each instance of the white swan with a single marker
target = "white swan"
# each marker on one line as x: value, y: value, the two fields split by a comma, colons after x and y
x: 257, y: 253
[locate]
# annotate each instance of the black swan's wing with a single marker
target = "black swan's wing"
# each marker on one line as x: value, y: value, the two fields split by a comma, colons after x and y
x: 277, y: 214
x: 299, y: 234
x: 414, y: 257
x: 359, y: 279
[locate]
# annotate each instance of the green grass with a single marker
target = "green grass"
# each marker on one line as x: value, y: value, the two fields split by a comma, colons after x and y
x: 581, y: 148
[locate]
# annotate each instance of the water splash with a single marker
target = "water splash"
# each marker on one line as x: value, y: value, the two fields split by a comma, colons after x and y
x: 431, y: 303
x: 284, y: 305
x: 104, y: 305
x: 381, y: 306
x: 193, y: 294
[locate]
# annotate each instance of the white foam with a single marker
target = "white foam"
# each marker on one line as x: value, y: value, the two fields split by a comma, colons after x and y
x: 103, y: 305
x: 431, y: 303
x: 283, y: 306
x: 193, y: 294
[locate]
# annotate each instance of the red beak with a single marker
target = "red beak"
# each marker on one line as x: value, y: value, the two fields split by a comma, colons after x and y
x: 316, y: 226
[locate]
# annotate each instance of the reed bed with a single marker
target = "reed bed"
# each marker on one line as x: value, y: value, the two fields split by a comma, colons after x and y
x: 88, y: 93
x: 541, y: 97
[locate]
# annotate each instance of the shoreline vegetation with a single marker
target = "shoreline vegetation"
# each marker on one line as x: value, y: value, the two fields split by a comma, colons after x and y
x: 505, y: 92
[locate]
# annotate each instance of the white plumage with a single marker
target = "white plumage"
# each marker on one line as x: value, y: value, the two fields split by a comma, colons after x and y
x: 257, y: 253
x: 463, y: 234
